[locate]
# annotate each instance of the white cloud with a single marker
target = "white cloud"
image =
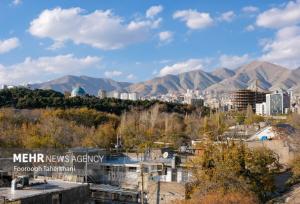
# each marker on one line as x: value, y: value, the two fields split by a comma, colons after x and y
x: 16, y: 2
x: 153, y: 11
x: 280, y: 17
x: 250, y: 28
x: 113, y: 73
x: 131, y: 76
x: 165, y: 36
x: 8, y: 45
x: 250, y: 9
x: 100, y: 29
x: 44, y: 68
x: 233, y: 61
x: 194, y: 19
x: 56, y: 45
x: 180, y: 67
x: 284, y: 49
x: 227, y: 16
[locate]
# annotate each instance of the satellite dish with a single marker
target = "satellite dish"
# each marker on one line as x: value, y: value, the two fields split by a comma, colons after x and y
x: 165, y: 155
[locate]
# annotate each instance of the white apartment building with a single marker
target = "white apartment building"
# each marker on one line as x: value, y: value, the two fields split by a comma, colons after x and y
x: 124, y: 96
x: 132, y: 96
x: 261, y: 108
x: 116, y: 94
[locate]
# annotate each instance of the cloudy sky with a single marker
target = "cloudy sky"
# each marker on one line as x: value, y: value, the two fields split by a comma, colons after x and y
x: 134, y: 40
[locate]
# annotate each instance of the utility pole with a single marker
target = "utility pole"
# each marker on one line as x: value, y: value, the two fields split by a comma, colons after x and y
x: 86, y: 166
x: 142, y: 192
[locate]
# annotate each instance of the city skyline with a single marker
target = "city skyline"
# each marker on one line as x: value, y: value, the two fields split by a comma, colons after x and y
x: 142, y: 40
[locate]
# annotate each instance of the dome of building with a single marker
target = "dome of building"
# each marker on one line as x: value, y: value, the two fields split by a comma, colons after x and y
x: 78, y: 91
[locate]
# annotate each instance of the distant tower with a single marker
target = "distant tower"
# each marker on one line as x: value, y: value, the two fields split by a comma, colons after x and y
x: 102, y: 94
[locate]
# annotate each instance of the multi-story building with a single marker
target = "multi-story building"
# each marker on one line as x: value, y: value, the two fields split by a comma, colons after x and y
x: 132, y: 96
x: 102, y: 94
x: 3, y: 86
x: 124, y: 96
x: 193, y: 98
x: 115, y: 94
x: 261, y: 108
x: 241, y: 99
x: 277, y: 103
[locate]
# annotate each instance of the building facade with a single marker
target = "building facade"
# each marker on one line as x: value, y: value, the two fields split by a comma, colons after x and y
x: 261, y: 109
x: 277, y: 103
x: 102, y: 94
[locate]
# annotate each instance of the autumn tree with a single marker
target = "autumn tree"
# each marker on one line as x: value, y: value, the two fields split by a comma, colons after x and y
x: 102, y: 137
x: 232, y: 167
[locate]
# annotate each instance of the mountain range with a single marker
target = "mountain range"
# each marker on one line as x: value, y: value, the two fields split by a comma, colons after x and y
x: 268, y: 76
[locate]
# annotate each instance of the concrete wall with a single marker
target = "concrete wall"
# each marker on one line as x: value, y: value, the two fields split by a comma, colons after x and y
x: 280, y: 147
x: 164, y: 192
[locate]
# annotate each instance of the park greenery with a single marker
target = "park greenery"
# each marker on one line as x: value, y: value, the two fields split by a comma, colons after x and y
x: 23, y: 98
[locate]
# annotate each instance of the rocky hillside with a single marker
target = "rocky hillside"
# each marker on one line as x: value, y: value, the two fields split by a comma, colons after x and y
x: 268, y: 76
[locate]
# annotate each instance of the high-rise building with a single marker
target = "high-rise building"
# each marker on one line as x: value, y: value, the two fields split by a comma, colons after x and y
x: 193, y: 98
x: 3, y: 86
x: 261, y: 108
x: 102, y: 94
x: 132, y: 96
x: 241, y: 99
x: 277, y: 103
x: 124, y: 96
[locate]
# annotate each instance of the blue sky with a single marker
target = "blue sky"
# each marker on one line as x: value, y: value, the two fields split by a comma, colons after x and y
x: 134, y: 40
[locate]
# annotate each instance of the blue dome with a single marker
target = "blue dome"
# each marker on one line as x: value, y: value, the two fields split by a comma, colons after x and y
x: 78, y: 91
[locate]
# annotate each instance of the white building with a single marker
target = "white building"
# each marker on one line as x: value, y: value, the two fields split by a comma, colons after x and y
x: 116, y: 94
x: 193, y: 98
x: 3, y: 86
x: 124, y: 96
x: 261, y: 108
x: 102, y: 94
x: 132, y: 96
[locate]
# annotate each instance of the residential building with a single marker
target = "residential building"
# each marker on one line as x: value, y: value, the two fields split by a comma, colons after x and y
x: 124, y: 96
x: 102, y: 94
x: 3, y: 86
x: 132, y: 96
x: 261, y: 108
x: 193, y: 97
x: 115, y: 94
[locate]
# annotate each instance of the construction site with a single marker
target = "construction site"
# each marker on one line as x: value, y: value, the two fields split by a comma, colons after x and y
x: 241, y: 99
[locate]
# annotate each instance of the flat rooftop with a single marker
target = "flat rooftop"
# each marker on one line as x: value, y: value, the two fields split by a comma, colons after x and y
x: 51, y: 186
x: 112, y: 189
